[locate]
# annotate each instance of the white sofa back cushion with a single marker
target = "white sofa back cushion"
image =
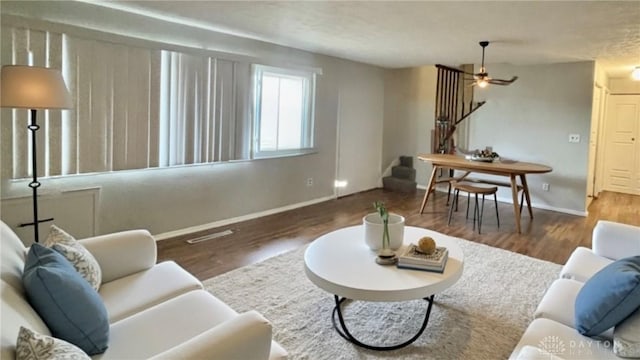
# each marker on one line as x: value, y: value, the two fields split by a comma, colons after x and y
x: 13, y: 255
x: 615, y: 241
x: 16, y: 312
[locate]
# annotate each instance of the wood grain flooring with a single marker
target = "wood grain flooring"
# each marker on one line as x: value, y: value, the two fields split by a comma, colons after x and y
x: 549, y: 236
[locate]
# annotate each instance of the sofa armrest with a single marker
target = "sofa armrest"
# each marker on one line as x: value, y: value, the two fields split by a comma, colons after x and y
x: 247, y: 336
x: 615, y: 241
x: 122, y: 253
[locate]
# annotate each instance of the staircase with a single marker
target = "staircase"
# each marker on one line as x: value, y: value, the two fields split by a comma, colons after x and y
x: 403, y: 177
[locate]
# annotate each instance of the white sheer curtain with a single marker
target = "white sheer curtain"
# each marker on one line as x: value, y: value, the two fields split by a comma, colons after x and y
x: 187, y: 108
x: 114, y: 124
x: 198, y: 109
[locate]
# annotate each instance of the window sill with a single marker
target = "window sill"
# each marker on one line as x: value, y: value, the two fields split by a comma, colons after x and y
x: 281, y: 154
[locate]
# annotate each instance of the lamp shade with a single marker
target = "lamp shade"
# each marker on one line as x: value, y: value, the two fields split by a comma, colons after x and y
x: 33, y: 88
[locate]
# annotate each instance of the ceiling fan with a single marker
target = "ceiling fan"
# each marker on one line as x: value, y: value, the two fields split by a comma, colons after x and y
x: 482, y: 79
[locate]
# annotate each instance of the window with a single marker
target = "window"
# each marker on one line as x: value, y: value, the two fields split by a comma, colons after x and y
x: 283, y: 111
x: 138, y: 106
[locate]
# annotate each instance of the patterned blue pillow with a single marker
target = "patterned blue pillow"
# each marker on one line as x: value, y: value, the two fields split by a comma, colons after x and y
x: 610, y: 296
x: 71, y: 308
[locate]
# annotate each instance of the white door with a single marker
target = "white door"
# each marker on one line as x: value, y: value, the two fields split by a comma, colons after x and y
x: 622, y: 153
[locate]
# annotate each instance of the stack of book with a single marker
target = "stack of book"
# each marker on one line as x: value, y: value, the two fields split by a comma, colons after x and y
x: 411, y: 258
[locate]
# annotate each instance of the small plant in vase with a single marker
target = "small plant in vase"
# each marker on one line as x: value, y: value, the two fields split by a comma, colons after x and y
x: 386, y: 256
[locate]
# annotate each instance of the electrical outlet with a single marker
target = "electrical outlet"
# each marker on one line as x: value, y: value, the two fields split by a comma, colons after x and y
x: 545, y: 187
x: 574, y: 138
x: 309, y: 181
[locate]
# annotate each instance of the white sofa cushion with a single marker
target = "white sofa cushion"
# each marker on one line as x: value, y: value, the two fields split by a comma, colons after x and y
x: 227, y: 340
x: 583, y: 264
x: 123, y: 253
x: 16, y: 311
x: 563, y: 341
x: 558, y: 303
x: 13, y: 255
x: 161, y: 327
x: 615, y: 240
x: 134, y: 293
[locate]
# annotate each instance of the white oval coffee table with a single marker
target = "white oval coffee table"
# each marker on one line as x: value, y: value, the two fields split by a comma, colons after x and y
x: 341, y: 263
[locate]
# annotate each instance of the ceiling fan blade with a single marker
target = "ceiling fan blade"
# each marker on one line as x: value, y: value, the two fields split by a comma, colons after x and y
x: 502, y: 81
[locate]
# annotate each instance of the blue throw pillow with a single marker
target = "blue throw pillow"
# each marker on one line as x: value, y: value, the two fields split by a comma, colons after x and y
x: 611, y: 295
x: 71, y: 308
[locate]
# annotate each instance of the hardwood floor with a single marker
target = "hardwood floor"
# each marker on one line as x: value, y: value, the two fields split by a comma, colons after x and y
x: 549, y: 236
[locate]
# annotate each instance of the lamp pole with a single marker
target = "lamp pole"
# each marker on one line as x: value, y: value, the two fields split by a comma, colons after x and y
x: 34, y: 184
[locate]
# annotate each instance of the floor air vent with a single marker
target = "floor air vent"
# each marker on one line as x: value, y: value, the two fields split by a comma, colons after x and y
x: 209, y: 237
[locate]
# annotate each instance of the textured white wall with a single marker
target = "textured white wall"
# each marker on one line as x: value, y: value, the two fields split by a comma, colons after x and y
x: 531, y: 119
x: 164, y: 200
x: 409, y: 105
x: 360, y: 113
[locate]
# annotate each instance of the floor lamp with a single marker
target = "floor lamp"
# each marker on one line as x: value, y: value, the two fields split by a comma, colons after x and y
x: 33, y: 88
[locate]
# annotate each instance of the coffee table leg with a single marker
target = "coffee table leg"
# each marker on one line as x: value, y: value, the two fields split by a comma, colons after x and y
x: 344, y: 332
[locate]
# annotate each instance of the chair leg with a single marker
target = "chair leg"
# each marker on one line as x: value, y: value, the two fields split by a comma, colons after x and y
x: 449, y: 193
x: 495, y: 200
x: 476, y: 214
x: 468, y: 196
x: 454, y: 202
x: 481, y: 214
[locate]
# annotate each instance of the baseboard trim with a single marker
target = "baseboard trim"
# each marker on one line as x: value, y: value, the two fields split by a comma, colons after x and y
x: 534, y: 205
x: 219, y: 223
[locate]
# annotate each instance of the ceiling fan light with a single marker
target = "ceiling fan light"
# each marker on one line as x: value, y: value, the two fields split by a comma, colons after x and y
x: 483, y: 83
x: 635, y: 74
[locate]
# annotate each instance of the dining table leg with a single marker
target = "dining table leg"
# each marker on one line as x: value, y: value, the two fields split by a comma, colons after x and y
x: 525, y: 188
x: 516, y: 205
x: 430, y: 187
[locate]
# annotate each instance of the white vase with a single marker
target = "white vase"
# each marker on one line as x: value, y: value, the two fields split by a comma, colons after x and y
x: 373, y: 228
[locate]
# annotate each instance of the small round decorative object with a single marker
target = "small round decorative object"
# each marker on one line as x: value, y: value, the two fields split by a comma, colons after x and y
x: 426, y: 245
x: 386, y: 260
x: 386, y: 257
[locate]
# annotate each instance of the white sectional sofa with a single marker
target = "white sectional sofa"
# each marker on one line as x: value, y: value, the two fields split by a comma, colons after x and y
x: 155, y: 311
x: 552, y: 334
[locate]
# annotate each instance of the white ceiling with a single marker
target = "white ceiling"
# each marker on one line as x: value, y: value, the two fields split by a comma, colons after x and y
x: 399, y: 34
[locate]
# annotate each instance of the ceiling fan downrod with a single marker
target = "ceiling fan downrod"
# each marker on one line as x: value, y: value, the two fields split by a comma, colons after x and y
x: 484, y: 44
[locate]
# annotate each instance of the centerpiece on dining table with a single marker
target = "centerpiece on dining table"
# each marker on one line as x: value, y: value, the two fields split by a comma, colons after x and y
x: 486, y: 155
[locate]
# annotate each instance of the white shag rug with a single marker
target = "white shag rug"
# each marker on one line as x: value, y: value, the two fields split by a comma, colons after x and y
x: 481, y: 317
